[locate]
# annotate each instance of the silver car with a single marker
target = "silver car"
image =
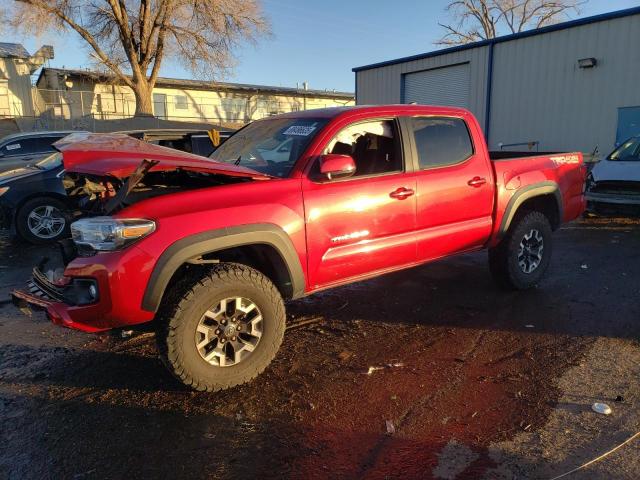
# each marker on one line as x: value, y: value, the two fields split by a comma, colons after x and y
x: 616, y: 179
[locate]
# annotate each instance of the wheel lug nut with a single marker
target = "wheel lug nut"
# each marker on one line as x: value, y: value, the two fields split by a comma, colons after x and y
x: 224, y: 322
x: 222, y: 340
x: 233, y: 338
x: 218, y: 332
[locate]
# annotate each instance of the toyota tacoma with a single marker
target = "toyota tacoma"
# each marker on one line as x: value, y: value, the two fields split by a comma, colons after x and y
x: 208, y: 250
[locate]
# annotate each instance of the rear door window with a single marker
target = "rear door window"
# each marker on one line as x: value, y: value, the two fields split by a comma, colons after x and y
x: 16, y: 147
x: 441, y: 141
x: 29, y: 146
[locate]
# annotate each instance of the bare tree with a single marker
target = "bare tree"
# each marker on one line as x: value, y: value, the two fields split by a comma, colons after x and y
x: 131, y: 38
x: 483, y: 19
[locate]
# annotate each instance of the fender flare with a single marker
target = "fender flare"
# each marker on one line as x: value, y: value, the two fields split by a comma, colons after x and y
x: 527, y: 193
x: 214, y: 240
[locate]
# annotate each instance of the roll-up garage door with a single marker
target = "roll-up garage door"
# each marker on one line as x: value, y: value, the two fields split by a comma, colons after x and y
x: 447, y: 86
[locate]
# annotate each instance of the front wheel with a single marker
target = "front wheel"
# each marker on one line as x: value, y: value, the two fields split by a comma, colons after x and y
x: 521, y: 258
x: 222, y: 331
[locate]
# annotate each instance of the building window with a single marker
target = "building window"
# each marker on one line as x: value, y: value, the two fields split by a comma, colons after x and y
x: 106, y: 102
x: 234, y: 108
x: 269, y: 107
x: 181, y: 102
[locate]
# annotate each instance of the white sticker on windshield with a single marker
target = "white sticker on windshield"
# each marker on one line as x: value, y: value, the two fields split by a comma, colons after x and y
x: 300, y: 130
x: 13, y: 146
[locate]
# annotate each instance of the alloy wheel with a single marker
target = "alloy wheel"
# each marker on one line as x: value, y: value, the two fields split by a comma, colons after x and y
x: 46, y: 222
x: 229, y: 332
x: 530, y: 251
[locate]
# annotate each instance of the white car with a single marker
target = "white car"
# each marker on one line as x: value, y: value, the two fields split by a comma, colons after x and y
x: 616, y: 179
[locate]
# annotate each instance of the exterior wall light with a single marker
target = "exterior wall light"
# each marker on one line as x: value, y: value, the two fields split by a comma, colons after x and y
x: 587, y: 62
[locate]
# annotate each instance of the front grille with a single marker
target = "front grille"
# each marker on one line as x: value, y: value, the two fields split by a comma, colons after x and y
x: 40, y: 286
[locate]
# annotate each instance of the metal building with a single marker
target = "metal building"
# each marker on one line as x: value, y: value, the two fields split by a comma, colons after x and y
x: 569, y: 86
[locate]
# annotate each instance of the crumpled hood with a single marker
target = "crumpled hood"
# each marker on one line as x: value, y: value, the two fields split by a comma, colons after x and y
x: 615, y: 170
x: 119, y: 155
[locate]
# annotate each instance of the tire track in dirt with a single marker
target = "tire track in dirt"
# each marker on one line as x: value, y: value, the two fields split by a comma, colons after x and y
x: 457, y: 379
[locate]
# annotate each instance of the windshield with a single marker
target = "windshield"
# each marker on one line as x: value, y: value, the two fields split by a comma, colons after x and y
x: 50, y: 161
x: 270, y: 146
x: 629, y: 151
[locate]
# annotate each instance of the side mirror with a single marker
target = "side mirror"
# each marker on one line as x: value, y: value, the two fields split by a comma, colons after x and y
x: 333, y: 166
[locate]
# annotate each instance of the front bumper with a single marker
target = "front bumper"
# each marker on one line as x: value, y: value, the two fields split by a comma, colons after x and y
x: 119, y: 279
x: 613, y: 198
x: 58, y: 299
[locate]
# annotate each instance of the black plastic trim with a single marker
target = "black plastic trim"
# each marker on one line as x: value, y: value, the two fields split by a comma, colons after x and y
x: 214, y: 240
x: 527, y: 193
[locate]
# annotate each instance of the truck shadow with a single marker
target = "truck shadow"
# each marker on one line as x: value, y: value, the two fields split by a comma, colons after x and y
x: 590, y: 289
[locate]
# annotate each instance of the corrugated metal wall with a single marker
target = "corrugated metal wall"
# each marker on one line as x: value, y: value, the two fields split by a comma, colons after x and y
x: 383, y: 85
x: 538, y: 91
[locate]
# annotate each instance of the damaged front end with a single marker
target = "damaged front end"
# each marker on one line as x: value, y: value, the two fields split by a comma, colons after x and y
x: 101, y: 178
x: 106, y: 194
x: 51, y: 291
x: 107, y: 172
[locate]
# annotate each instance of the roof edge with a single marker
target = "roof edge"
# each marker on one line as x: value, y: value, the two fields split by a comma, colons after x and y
x: 186, y: 83
x: 505, y: 38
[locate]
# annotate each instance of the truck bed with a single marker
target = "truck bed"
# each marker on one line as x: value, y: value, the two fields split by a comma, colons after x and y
x: 512, y: 155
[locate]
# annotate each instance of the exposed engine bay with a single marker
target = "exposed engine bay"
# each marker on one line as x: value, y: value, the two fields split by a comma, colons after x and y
x: 104, y: 195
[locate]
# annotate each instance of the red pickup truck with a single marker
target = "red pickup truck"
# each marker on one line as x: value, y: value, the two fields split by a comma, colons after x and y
x: 289, y: 205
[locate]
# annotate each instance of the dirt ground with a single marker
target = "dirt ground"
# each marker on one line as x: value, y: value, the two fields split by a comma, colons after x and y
x: 468, y: 381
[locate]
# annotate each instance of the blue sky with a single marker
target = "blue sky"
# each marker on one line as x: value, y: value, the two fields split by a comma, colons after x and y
x: 319, y: 41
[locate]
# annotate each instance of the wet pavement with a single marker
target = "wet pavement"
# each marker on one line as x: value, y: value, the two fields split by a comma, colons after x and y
x: 427, y: 373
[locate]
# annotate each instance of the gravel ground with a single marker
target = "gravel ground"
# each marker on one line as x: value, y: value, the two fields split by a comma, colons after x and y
x: 467, y: 382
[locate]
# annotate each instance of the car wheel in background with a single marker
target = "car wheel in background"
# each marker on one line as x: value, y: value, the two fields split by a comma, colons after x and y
x: 42, y: 220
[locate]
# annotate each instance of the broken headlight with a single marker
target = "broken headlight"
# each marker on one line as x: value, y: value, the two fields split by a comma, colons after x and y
x: 107, y: 233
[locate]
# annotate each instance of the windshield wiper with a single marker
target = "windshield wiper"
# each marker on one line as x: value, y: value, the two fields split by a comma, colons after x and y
x: 237, y: 162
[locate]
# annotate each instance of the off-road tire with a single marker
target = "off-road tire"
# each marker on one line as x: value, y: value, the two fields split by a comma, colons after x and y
x: 186, y: 303
x: 22, y: 227
x: 503, y: 258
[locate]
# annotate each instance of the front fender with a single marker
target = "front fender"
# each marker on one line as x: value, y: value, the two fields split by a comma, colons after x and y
x: 215, y: 240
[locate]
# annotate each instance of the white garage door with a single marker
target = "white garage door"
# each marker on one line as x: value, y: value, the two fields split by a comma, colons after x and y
x: 441, y: 86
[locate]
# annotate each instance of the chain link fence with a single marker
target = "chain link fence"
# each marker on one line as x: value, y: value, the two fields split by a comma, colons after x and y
x: 84, y: 110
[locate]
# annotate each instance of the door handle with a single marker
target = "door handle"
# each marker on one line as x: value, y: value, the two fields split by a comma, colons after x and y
x: 477, y: 182
x: 401, y: 193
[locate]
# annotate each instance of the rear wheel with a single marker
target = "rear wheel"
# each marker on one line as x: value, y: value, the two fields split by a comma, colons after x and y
x: 42, y: 220
x: 522, y: 257
x: 222, y: 330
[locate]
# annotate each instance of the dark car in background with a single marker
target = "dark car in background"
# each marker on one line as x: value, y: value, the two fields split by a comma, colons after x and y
x: 33, y: 201
x: 20, y: 149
